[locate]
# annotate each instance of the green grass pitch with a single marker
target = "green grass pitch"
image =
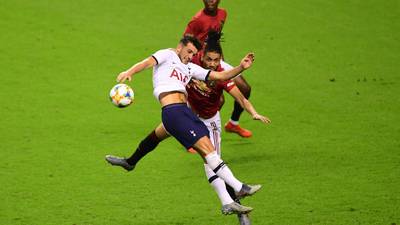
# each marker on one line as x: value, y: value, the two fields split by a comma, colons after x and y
x: 326, y: 72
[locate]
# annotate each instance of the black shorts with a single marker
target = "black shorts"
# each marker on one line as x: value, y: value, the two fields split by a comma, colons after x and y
x: 183, y: 124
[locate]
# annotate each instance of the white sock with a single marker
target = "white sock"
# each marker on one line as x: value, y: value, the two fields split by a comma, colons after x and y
x: 223, y: 171
x: 219, y: 186
x: 234, y: 122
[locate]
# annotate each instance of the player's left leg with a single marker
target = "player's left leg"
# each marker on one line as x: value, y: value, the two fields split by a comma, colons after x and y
x: 145, y: 146
x: 233, y: 124
x: 148, y: 144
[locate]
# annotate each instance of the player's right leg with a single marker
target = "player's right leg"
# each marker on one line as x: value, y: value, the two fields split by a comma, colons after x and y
x: 213, y: 125
x: 229, y: 206
x: 244, y: 218
x: 204, y: 147
x: 145, y: 146
x: 190, y: 131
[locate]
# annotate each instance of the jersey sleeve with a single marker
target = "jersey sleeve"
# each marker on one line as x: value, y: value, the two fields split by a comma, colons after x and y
x: 161, y: 56
x: 193, y: 27
x: 227, y: 66
x: 198, y: 72
x: 224, y: 15
x: 228, y: 85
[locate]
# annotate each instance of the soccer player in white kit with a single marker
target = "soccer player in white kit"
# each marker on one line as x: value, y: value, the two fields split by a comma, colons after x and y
x: 172, y: 71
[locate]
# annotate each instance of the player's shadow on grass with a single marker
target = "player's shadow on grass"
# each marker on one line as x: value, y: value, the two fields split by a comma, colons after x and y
x: 247, y: 159
x: 232, y: 142
x: 244, y: 156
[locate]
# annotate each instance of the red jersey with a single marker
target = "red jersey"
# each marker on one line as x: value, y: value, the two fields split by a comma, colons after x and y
x: 205, y: 97
x: 201, y: 23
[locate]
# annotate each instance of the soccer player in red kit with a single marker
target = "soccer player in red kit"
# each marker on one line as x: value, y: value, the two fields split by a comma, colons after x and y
x: 213, y: 18
x: 209, y: 18
x: 204, y: 100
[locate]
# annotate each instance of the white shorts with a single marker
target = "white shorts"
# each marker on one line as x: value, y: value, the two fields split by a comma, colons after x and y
x: 213, y: 125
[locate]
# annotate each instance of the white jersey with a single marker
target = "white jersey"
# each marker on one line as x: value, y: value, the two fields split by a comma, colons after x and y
x: 170, y: 74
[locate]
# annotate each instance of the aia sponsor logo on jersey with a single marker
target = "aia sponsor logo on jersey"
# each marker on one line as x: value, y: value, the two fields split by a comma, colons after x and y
x: 179, y: 76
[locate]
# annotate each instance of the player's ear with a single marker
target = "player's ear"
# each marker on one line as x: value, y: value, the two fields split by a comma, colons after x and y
x: 179, y: 47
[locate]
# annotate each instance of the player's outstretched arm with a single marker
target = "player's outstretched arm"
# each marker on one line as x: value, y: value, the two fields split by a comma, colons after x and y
x: 138, y: 67
x: 246, y: 104
x: 246, y: 63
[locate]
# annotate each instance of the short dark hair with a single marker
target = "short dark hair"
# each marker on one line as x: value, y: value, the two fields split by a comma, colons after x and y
x: 186, y: 39
x: 212, y: 43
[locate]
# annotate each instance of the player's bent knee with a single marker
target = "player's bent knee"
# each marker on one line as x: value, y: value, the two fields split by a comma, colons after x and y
x: 204, y: 146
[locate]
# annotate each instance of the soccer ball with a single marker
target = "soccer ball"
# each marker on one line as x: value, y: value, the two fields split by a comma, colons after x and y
x: 121, y: 95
